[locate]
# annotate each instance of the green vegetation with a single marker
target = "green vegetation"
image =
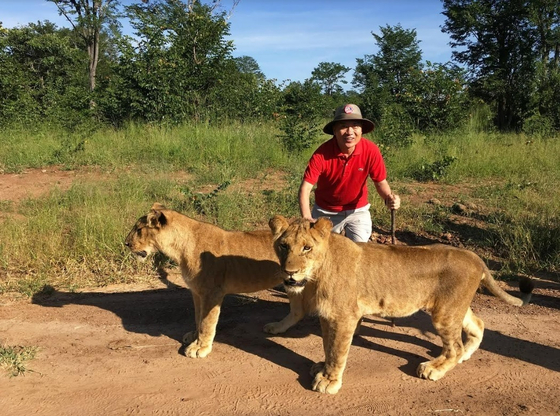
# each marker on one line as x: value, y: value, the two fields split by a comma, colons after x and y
x: 238, y: 176
x: 169, y: 115
x: 13, y: 359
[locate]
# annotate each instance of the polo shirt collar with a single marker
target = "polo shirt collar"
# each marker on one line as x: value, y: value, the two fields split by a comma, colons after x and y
x: 357, y: 151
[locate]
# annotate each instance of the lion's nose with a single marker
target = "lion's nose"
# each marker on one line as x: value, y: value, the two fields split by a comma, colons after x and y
x: 290, y: 273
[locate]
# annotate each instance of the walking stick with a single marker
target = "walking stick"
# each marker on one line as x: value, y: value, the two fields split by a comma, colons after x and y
x: 393, y: 226
x: 393, y: 242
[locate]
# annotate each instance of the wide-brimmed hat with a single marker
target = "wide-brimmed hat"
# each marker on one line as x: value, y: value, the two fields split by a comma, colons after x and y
x: 349, y: 112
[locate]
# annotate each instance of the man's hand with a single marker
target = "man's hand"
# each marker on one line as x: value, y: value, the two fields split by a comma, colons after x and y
x: 393, y: 202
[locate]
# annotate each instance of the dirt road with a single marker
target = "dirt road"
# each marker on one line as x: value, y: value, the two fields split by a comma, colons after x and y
x: 117, y: 351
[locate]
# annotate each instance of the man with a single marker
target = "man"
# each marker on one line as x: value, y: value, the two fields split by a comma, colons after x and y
x: 340, y: 168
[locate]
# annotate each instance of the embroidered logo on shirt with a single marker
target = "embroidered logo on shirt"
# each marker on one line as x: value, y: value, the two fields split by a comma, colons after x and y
x: 360, y: 169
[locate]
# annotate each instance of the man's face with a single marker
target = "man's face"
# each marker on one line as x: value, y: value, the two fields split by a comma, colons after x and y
x: 348, y: 134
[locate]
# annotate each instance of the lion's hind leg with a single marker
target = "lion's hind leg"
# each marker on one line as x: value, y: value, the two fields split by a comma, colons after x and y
x: 474, y: 329
x: 452, y: 349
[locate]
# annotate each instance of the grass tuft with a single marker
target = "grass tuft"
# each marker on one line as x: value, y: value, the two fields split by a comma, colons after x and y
x: 14, y: 359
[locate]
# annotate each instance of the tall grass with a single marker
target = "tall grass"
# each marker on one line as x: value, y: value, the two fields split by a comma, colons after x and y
x: 238, y: 176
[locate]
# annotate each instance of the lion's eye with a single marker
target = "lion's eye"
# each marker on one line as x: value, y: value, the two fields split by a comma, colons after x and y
x: 284, y: 246
x: 306, y: 249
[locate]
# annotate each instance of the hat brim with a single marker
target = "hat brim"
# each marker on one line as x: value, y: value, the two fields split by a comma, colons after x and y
x: 367, y: 126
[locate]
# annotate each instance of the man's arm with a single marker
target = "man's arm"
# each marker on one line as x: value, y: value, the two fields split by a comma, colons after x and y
x: 303, y: 197
x: 391, y: 200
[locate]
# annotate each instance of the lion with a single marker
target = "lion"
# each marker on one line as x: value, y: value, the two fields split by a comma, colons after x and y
x: 349, y: 280
x: 213, y: 263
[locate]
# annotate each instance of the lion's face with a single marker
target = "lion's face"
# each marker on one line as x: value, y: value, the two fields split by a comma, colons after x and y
x: 300, y: 247
x: 142, y: 239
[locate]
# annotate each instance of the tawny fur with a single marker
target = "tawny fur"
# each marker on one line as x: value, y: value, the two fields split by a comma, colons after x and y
x: 213, y: 263
x: 346, y: 281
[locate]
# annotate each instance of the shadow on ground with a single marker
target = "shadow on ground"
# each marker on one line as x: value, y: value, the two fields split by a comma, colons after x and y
x: 169, y: 312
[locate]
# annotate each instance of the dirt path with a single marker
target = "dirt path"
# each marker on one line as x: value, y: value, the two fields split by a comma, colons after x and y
x: 117, y: 352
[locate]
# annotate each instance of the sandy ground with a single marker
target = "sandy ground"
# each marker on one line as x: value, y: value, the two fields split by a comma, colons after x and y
x: 117, y: 351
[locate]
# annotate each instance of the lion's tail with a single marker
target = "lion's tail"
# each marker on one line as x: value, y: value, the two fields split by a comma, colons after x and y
x: 526, y: 286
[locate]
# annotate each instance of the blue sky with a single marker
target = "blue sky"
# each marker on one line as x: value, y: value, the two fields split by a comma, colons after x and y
x: 289, y: 38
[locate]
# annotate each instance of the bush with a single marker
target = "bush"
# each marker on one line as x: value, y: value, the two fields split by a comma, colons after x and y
x: 396, y: 129
x: 539, y: 126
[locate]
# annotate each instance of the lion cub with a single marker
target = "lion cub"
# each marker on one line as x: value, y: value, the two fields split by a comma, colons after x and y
x: 213, y: 263
x: 351, y: 280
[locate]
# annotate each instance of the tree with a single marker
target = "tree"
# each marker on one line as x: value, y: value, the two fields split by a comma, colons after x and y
x: 382, y: 77
x: 91, y: 17
x: 398, y: 54
x: 497, y: 44
x: 435, y: 97
x: 329, y: 75
x: 303, y: 108
x: 178, y: 59
x: 39, y: 73
x: 248, y: 65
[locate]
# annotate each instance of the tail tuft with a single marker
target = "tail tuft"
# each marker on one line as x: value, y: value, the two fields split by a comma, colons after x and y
x: 526, y: 286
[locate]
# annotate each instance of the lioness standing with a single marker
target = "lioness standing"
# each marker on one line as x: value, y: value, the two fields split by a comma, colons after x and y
x: 350, y: 280
x: 213, y: 263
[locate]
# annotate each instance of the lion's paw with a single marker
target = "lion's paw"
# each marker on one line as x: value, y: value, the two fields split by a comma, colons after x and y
x: 195, y: 350
x: 274, y: 328
x: 323, y: 385
x: 465, y: 357
x: 429, y: 372
x: 317, y: 368
x: 190, y: 337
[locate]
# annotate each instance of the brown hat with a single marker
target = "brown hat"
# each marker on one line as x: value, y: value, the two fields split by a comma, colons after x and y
x: 349, y: 112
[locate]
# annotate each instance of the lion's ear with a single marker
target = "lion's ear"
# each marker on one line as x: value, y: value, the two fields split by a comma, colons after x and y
x: 157, y: 206
x: 324, y: 226
x: 278, y: 224
x: 156, y: 218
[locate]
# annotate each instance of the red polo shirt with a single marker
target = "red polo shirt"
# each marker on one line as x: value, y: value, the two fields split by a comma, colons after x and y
x: 342, y: 182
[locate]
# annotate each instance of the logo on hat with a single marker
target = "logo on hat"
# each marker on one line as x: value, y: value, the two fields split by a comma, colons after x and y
x: 348, y: 109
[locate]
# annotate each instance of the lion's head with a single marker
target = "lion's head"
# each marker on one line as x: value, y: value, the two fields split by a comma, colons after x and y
x: 142, y: 239
x: 301, y: 247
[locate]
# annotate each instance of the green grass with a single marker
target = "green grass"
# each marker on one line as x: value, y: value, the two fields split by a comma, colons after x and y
x: 14, y: 359
x: 238, y: 176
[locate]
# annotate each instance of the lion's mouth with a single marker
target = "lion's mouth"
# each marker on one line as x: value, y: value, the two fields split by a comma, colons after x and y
x: 295, y: 283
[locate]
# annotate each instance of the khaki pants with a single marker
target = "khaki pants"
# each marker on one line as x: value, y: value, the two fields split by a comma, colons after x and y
x: 356, y: 224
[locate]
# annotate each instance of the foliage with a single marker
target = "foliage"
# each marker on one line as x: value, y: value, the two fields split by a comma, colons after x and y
x: 42, y: 75
x: 435, y: 97
x: 398, y: 54
x: 435, y: 170
x: 400, y: 94
x: 178, y: 57
x: 502, y: 43
x: 397, y: 127
x: 330, y: 75
x: 91, y: 17
x: 302, y: 108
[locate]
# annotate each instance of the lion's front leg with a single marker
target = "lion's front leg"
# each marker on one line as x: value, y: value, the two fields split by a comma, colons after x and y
x: 337, y: 338
x: 297, y: 312
x: 190, y: 336
x: 201, y: 346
